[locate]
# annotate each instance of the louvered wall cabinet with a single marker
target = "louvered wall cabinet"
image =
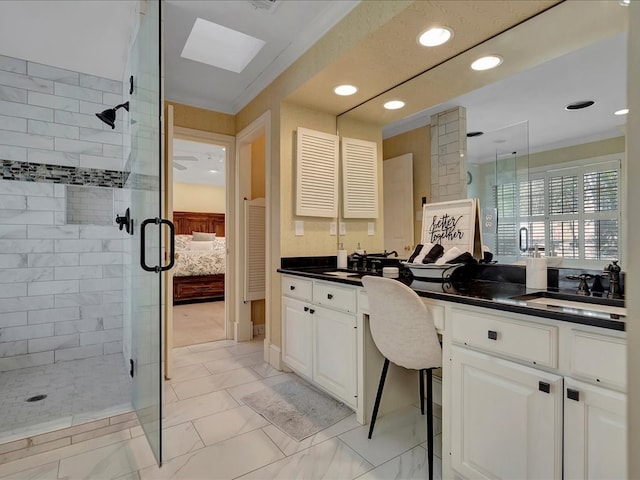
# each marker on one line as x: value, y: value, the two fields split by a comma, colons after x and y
x: 316, y: 174
x: 360, y: 178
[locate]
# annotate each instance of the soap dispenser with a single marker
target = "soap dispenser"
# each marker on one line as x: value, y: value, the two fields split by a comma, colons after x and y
x: 536, y: 276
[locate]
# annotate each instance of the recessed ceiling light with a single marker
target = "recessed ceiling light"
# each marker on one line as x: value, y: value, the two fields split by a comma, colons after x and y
x: 213, y: 171
x: 435, y: 36
x: 474, y: 134
x: 345, y: 90
x: 580, y: 105
x: 394, y: 105
x: 624, y: 3
x: 224, y: 149
x: 486, y: 63
x: 624, y: 111
x: 220, y: 46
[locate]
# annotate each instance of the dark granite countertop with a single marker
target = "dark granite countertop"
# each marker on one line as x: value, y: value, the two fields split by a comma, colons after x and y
x: 497, y: 294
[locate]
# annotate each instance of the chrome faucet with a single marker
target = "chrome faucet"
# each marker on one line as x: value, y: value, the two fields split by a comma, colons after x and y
x: 613, y: 272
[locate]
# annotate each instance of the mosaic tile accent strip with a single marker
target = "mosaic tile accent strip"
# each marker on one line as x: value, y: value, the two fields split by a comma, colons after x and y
x: 46, y: 173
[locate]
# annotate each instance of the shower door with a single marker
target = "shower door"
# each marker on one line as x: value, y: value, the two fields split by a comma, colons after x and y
x: 145, y: 263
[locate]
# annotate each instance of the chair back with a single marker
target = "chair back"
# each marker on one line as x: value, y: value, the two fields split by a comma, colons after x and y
x: 401, y: 325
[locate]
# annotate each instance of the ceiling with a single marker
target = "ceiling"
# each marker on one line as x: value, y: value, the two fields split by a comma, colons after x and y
x: 289, y: 28
x: 193, y: 162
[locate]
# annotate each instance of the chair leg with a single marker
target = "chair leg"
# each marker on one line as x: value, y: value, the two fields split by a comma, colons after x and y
x: 421, y: 373
x: 429, y: 421
x: 383, y: 377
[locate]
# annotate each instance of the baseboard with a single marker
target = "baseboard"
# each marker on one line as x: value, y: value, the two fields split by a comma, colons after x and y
x: 258, y: 330
x: 275, y: 357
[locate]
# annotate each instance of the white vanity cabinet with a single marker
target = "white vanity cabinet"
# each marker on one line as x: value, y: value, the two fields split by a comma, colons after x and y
x: 533, y: 398
x: 319, y: 334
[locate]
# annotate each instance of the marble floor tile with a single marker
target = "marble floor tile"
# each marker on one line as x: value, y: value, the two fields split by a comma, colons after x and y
x: 48, y: 471
x: 289, y: 445
x: 129, y: 476
x: 223, y: 460
x: 180, y: 439
x: 265, y: 370
x: 394, y: 434
x: 64, y: 452
x: 196, y: 407
x: 226, y: 364
x: 200, y: 357
x: 224, y: 425
x: 332, y: 459
x: 212, y: 383
x: 188, y: 372
x: 108, y: 462
x: 244, y: 348
x: 411, y: 465
x: 169, y: 394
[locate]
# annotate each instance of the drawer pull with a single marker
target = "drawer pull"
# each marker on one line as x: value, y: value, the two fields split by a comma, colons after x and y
x: 492, y: 335
x: 544, y: 387
x: 306, y: 309
x: 312, y: 311
x: 573, y: 394
x: 329, y: 296
x: 292, y: 287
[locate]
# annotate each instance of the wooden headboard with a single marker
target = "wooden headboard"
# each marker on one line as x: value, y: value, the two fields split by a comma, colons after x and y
x: 188, y: 222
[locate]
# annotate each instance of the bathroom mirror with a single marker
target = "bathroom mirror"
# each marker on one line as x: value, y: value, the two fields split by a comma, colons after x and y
x: 574, y: 52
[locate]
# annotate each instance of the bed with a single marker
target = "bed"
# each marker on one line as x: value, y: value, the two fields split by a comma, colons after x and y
x: 199, y: 271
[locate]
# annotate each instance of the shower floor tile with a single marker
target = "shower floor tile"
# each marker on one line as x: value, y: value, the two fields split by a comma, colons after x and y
x: 77, y: 391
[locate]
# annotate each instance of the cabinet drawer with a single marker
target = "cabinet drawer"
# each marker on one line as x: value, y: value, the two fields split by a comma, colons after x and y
x: 335, y: 295
x: 600, y: 359
x: 297, y: 287
x: 530, y: 342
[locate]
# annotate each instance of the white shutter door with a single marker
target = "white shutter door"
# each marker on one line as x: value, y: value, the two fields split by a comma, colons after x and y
x: 360, y: 178
x: 317, y: 174
x: 254, y: 278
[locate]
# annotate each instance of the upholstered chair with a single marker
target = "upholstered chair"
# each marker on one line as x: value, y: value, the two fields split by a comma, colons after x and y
x: 404, y: 333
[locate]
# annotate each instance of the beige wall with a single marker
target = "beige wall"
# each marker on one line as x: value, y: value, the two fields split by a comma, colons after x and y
x: 191, y: 197
x: 418, y: 142
x: 316, y: 239
x: 201, y: 119
x: 357, y: 228
x: 577, y: 152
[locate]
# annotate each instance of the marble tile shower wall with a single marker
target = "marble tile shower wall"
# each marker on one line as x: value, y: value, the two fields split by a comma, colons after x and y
x: 61, y: 285
x: 47, y: 116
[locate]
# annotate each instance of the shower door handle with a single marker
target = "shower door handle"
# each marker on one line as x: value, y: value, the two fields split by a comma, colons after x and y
x: 172, y: 245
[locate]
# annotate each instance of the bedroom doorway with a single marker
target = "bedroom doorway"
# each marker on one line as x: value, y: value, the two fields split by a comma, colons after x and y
x: 199, y: 196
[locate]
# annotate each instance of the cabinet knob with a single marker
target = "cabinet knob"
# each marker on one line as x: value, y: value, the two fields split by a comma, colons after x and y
x: 306, y: 309
x: 292, y: 287
x: 544, y: 387
x: 492, y: 335
x: 311, y: 311
x: 573, y: 394
x: 329, y: 296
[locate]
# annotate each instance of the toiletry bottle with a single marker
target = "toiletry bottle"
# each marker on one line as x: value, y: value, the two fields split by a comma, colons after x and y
x: 359, y: 249
x: 342, y: 257
x: 536, y: 275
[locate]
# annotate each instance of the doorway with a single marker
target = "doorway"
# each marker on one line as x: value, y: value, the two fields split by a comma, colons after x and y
x: 199, y: 214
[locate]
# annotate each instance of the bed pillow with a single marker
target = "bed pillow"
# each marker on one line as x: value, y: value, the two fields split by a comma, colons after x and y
x: 203, y: 237
x: 201, y: 246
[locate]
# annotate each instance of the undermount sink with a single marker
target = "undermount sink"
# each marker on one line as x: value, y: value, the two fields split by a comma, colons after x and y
x: 586, y: 304
x: 342, y: 274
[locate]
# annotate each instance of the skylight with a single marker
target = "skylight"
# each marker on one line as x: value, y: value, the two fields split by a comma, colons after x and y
x: 220, y: 46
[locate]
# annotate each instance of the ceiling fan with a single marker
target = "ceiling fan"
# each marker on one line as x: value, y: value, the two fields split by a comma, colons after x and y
x: 183, y: 158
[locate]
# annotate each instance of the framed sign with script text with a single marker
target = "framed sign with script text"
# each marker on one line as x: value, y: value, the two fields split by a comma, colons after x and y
x: 453, y: 224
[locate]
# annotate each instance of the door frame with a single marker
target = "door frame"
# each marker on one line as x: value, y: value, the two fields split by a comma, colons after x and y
x: 258, y: 128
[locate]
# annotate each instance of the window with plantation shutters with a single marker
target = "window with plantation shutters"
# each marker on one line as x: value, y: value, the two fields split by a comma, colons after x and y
x: 568, y: 212
x: 316, y: 174
x: 360, y: 178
